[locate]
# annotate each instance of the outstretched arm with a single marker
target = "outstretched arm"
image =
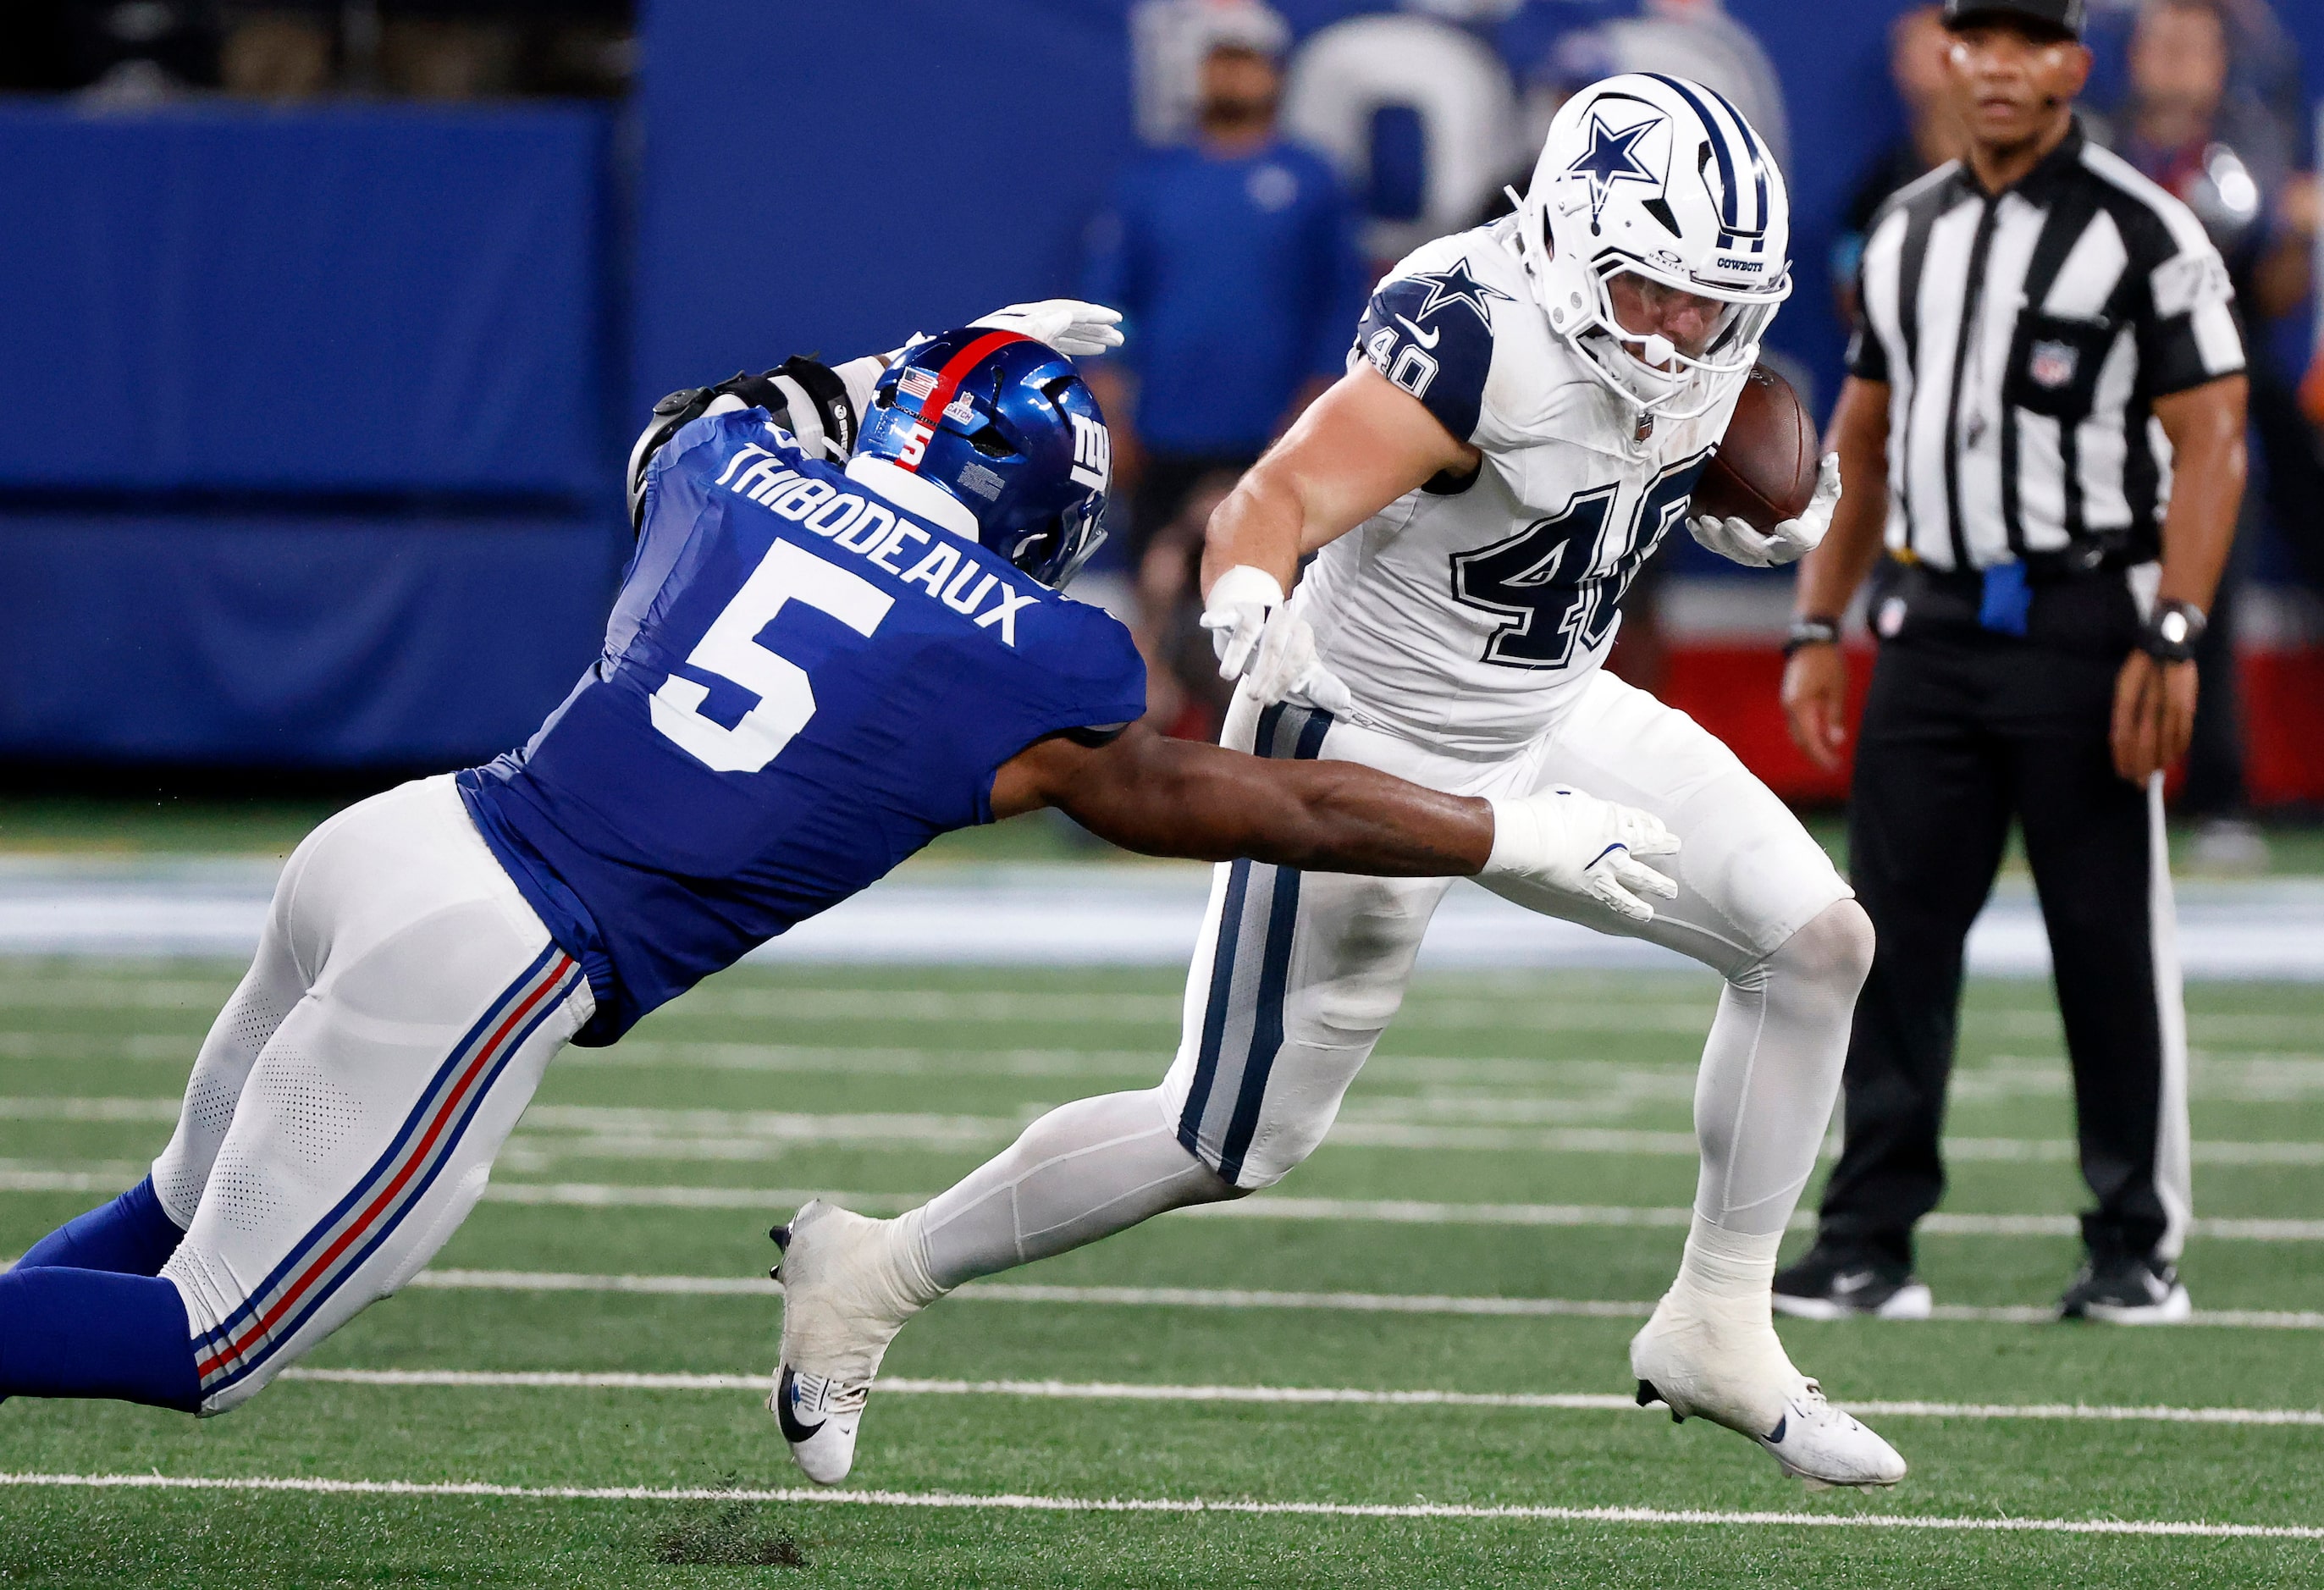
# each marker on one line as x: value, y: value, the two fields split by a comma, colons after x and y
x: 1163, y: 797
x: 1177, y: 798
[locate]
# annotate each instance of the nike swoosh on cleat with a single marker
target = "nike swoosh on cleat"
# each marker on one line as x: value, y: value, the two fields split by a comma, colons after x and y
x: 1426, y: 339
x: 793, y: 1431
x: 1783, y: 1424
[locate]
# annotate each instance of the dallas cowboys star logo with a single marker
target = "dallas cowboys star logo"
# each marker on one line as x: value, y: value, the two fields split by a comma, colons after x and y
x: 1612, y: 157
x: 1457, y: 286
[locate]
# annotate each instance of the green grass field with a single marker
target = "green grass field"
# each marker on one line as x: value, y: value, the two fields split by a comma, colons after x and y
x: 1520, y: 1118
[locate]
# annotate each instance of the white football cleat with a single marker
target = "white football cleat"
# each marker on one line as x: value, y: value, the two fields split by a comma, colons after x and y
x: 848, y: 1289
x: 1736, y: 1373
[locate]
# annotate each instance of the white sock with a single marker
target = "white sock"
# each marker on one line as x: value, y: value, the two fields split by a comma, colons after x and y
x: 1771, y: 1071
x: 1728, y: 1273
x: 908, y: 1274
x: 1082, y: 1171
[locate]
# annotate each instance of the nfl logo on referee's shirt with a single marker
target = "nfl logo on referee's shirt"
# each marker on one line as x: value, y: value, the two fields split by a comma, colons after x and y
x: 2052, y: 363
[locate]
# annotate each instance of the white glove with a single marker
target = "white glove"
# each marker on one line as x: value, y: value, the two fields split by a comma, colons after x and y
x: 1252, y: 634
x: 1240, y: 602
x: 1789, y: 541
x: 1078, y: 330
x: 1578, y: 846
x: 1286, y: 666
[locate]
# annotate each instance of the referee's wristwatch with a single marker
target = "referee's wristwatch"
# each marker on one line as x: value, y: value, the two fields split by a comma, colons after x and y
x: 2171, y: 632
x: 1810, y: 632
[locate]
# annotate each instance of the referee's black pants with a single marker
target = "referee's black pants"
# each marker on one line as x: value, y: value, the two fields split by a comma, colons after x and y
x: 1963, y: 730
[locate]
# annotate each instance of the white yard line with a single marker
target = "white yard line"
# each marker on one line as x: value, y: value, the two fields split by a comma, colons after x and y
x: 19, y: 1176
x: 631, y: 1132
x: 1009, y: 1503
x: 767, y: 1201
x: 1348, y: 1396
x: 988, y: 1291
x: 1391, y: 1211
x: 539, y: 1150
x: 90, y: 1176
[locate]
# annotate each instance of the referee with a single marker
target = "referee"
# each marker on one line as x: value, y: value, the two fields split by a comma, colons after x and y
x: 2044, y: 425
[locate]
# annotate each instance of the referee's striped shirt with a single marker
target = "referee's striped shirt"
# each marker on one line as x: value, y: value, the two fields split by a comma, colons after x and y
x: 2023, y: 339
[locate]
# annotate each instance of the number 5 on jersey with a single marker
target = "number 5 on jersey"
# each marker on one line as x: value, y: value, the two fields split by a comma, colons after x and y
x: 730, y: 649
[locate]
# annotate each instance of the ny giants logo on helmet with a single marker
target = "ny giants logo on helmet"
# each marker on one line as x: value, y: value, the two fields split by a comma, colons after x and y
x: 1092, y: 464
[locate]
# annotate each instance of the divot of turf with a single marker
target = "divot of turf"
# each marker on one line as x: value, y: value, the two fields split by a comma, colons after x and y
x: 726, y: 1534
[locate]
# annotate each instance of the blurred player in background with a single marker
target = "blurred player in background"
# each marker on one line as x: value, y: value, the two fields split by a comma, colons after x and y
x: 808, y: 674
x: 2224, y: 151
x: 1234, y: 260
x: 1917, y: 47
x: 1526, y: 417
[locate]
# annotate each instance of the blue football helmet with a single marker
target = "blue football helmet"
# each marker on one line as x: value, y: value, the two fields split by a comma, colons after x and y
x: 1003, y: 425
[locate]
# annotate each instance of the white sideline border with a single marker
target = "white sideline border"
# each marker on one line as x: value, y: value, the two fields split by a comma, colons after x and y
x: 991, y: 1291
x: 1341, y: 1396
x: 1013, y: 1503
x: 1090, y: 914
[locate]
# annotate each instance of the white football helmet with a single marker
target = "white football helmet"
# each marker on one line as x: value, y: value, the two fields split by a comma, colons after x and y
x: 1660, y: 176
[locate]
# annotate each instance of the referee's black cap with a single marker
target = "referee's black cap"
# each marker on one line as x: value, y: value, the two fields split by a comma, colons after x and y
x: 2063, y: 18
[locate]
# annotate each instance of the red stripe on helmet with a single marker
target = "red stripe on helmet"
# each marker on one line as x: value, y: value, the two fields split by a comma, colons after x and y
x: 948, y: 379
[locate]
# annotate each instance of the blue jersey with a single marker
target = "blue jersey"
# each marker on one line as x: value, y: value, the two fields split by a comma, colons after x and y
x: 800, y: 686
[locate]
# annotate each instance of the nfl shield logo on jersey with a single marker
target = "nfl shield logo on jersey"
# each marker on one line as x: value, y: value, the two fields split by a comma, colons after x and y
x: 2052, y: 363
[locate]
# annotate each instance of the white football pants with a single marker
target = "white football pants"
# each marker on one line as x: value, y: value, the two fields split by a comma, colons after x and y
x: 1297, y: 974
x: 345, y: 1109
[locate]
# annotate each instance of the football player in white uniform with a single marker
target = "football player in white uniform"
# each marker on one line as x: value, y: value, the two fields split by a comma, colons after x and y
x: 1525, y: 415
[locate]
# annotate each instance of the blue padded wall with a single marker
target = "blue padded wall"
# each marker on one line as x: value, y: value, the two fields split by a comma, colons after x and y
x: 357, y: 298
x: 833, y: 178
x: 292, y: 641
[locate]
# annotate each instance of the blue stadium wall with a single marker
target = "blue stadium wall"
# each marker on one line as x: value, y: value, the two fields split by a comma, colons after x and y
x: 308, y: 425
x: 314, y: 416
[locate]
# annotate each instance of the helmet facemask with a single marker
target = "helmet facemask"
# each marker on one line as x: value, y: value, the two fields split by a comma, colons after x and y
x: 1655, y: 374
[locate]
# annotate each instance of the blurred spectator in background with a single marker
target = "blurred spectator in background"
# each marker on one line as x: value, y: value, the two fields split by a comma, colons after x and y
x: 1235, y: 260
x: 133, y: 51
x: 1917, y: 44
x: 2191, y: 127
x: 1556, y: 47
x: 279, y: 51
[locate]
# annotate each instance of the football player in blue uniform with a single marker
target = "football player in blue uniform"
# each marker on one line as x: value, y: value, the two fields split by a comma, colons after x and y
x: 809, y: 673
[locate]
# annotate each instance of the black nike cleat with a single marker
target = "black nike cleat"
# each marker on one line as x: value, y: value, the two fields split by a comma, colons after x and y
x: 1830, y: 1283
x: 2121, y: 1288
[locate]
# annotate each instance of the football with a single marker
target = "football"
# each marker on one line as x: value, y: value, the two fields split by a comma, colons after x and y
x: 1764, y: 468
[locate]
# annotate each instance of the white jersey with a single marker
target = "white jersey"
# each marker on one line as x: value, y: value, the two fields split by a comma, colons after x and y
x: 1466, y: 618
